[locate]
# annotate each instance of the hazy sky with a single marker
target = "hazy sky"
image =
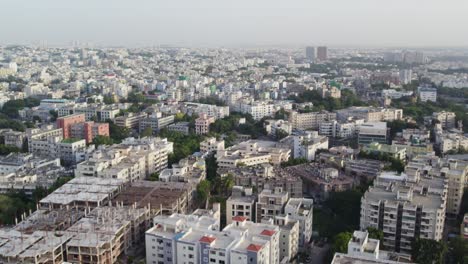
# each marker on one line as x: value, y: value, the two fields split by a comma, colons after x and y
x: 237, y: 22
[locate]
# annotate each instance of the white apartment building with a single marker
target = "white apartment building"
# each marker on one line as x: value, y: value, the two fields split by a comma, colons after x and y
x: 271, y: 203
x: 211, y: 145
x: 369, y: 114
x: 252, y: 152
x: 99, y: 111
x: 446, y: 119
x: 373, y: 132
x: 272, y: 126
x: 240, y: 203
x: 453, y: 170
x: 305, y: 145
x: 301, y: 210
x: 427, y: 94
x: 258, y: 109
x: 197, y: 239
x: 310, y: 120
x: 404, y: 207
x: 131, y: 160
x: 215, y: 111
x: 364, y: 250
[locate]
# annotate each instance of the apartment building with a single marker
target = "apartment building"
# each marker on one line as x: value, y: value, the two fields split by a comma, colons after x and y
x: 258, y: 109
x: 364, y: 250
x: 404, y: 207
x: 240, y: 203
x: 13, y: 138
x: 65, y: 123
x: 270, y: 204
x: 305, y: 145
x: 131, y: 160
x: 42, y: 134
x: 273, y: 127
x: 91, y: 111
x: 427, y: 94
x: 191, y: 169
x: 130, y: 120
x: 446, y: 119
x: 370, y: 114
x: 202, y: 124
x: 215, y: 111
x: 265, y: 176
x: 301, y: 210
x: 75, y: 126
x: 197, y: 239
x: 26, y: 172
x: 453, y: 170
x: 394, y: 151
x: 373, y: 132
x: 181, y: 127
x: 252, y: 152
x: 211, y: 145
x: 310, y: 120
x: 156, y: 122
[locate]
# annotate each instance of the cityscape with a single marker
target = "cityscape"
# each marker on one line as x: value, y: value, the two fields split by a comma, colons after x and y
x: 294, y: 151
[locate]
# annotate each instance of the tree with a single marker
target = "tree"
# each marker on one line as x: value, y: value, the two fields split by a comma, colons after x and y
x: 102, y: 140
x: 153, y: 177
x: 147, y: 132
x: 340, y: 242
x: 54, y: 115
x: 203, y: 191
x: 428, y: 251
x: 6, y: 149
x: 375, y: 233
x: 280, y: 134
x: 458, y: 248
x: 109, y: 100
x: 117, y: 133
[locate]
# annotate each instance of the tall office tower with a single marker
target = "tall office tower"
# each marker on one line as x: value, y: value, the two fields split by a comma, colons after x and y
x: 322, y: 53
x: 310, y: 53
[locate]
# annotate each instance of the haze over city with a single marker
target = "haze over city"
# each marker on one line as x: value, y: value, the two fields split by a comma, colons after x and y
x: 368, y: 23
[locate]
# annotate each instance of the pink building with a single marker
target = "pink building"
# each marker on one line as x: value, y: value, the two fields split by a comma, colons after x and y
x: 202, y: 124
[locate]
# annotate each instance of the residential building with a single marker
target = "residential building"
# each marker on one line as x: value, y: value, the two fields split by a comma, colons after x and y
x: 252, y: 152
x: 273, y: 127
x: 373, y: 132
x: 181, y: 127
x: 427, y: 94
x: 322, y: 53
x: 404, y: 207
x: 310, y: 120
x: 365, y: 250
x: 130, y: 160
x: 66, y: 122
x: 211, y: 145
x: 258, y: 109
x: 394, y: 151
x: 305, y: 145
x: 446, y: 119
x: 369, y: 114
x: 271, y: 203
x: 130, y: 120
x: 310, y: 54
x: 202, y: 124
x: 156, y: 122
x: 240, y: 203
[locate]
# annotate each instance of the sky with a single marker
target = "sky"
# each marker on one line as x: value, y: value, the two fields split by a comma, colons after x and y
x: 231, y: 23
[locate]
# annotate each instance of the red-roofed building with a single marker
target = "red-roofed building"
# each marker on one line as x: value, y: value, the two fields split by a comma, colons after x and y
x: 207, y: 239
x: 268, y: 232
x: 254, y: 247
x: 239, y: 218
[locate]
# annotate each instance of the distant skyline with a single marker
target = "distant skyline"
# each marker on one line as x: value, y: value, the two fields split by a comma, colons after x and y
x: 210, y: 23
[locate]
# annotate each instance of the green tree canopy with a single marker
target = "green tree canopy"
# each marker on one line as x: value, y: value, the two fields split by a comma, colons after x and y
x: 428, y: 251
